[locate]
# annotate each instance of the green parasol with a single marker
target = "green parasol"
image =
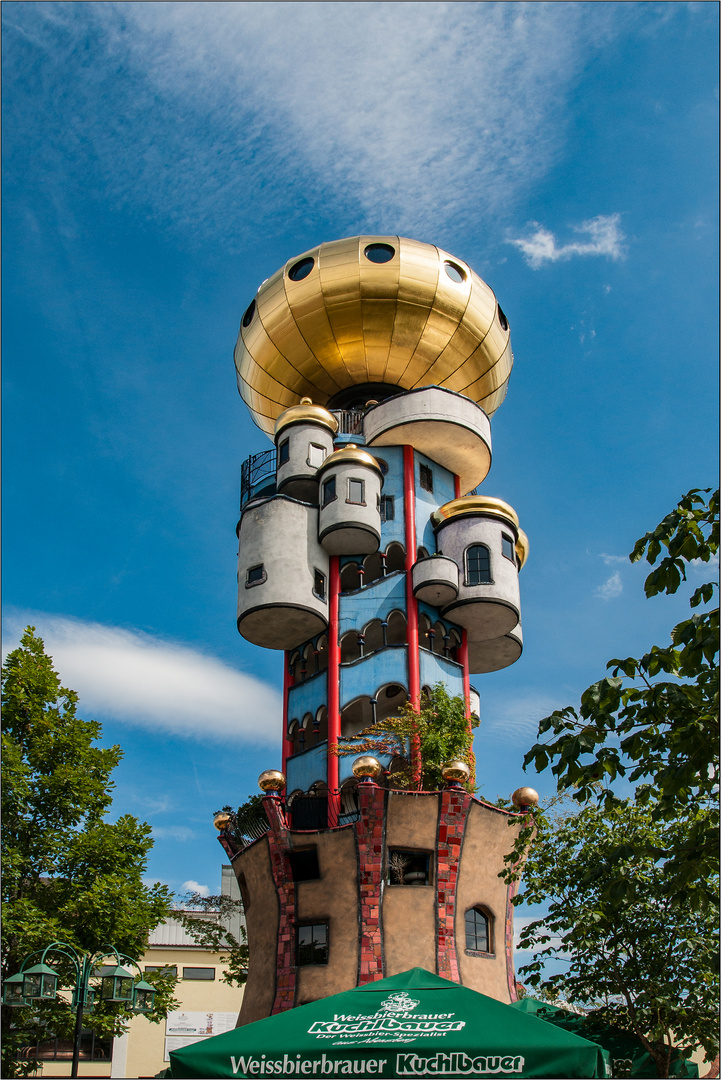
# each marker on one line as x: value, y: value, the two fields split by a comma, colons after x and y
x: 628, y: 1056
x: 409, y: 1025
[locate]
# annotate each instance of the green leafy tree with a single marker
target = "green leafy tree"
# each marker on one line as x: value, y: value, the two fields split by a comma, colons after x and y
x: 654, y: 720
x: 438, y: 732
x: 644, y: 963
x: 207, y: 918
x: 69, y: 874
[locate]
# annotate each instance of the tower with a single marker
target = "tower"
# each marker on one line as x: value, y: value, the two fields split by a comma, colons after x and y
x: 368, y: 555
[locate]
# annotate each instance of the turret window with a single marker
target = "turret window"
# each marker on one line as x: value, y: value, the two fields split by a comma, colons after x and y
x: 329, y: 491
x: 478, y: 931
x: 312, y: 943
x: 478, y: 565
x: 284, y: 452
x: 319, y: 584
x: 388, y: 508
x: 356, y: 492
x: 508, y: 547
x: 426, y: 477
x: 255, y: 575
x: 316, y: 455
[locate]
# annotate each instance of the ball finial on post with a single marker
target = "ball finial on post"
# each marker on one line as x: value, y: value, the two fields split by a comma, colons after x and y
x: 524, y: 798
x: 455, y: 773
x: 271, y: 781
x: 366, y: 768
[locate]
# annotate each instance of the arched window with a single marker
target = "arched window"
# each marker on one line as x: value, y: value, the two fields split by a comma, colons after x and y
x: 322, y: 650
x: 396, y: 633
x: 395, y: 558
x: 478, y: 565
x: 478, y: 930
x: 349, y: 577
x: 349, y: 647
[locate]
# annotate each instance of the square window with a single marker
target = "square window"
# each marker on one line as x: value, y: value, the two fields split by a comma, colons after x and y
x: 284, y: 452
x: 304, y: 864
x: 316, y: 455
x: 206, y: 973
x: 388, y: 508
x: 406, y: 867
x: 172, y: 968
x: 356, y: 492
x: 508, y: 547
x: 255, y: 575
x: 329, y: 491
x: 312, y: 943
x: 426, y: 478
x: 319, y: 584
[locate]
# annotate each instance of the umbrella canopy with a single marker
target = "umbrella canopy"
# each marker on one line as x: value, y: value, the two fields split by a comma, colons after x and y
x: 628, y: 1057
x: 412, y: 1024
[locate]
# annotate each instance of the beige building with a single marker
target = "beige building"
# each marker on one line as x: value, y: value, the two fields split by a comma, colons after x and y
x: 207, y: 1007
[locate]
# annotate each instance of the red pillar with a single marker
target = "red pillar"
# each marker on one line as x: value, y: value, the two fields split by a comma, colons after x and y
x: 333, y: 687
x: 287, y: 683
x: 414, y: 667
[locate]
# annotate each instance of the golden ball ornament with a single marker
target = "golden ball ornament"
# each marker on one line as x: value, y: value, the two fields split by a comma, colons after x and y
x: 366, y: 767
x: 525, y: 796
x: 271, y: 780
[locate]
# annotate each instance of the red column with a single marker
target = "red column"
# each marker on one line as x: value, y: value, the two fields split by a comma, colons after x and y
x: 333, y: 687
x: 414, y: 666
x: 287, y: 683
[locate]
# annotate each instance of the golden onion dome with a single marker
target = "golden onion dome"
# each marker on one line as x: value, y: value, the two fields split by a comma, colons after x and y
x: 307, y: 413
x: 382, y: 312
x: 477, y: 504
x: 350, y: 454
x: 521, y: 548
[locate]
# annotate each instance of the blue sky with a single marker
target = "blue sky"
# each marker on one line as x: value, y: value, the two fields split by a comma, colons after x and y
x: 161, y: 160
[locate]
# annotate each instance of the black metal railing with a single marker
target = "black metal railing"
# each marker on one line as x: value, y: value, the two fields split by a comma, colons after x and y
x: 257, y: 476
x: 350, y: 421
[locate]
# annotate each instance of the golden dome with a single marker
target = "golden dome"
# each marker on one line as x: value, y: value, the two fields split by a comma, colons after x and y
x: 306, y: 412
x: 476, y: 504
x: 351, y: 454
x: 337, y: 317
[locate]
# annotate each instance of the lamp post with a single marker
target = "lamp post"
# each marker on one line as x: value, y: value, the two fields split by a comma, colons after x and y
x: 118, y: 986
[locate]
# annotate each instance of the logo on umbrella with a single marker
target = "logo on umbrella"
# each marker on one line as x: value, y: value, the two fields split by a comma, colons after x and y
x: 399, y: 1002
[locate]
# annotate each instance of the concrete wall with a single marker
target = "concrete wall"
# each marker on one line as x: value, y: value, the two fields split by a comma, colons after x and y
x: 263, y: 922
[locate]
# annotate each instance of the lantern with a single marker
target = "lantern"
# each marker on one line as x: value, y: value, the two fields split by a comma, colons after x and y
x: 143, y: 997
x: 40, y: 983
x: 13, y: 991
x: 117, y: 985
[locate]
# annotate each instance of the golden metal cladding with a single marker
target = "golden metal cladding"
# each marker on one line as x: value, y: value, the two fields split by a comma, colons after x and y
x: 332, y: 318
x: 521, y: 548
x: 308, y: 413
x: 348, y: 454
x: 478, y: 504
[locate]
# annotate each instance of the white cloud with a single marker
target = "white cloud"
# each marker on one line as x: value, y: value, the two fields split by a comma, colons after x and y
x: 179, y: 833
x: 194, y: 887
x: 611, y: 588
x: 611, y: 560
x: 604, y: 237
x: 146, y: 681
x: 515, y: 720
x: 407, y: 116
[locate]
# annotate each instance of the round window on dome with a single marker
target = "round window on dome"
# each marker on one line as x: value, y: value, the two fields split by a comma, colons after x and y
x: 379, y: 253
x: 301, y: 269
x: 502, y: 318
x: 249, y: 313
x: 454, y: 271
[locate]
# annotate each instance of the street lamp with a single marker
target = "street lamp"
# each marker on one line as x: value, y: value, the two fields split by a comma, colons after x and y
x: 118, y: 986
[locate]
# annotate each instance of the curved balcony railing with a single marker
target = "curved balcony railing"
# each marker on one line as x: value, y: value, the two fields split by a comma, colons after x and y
x: 257, y: 476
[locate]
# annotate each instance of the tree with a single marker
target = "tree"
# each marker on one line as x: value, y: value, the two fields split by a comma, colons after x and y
x: 643, y: 962
x: 655, y: 719
x: 206, y: 918
x: 437, y: 732
x: 69, y: 874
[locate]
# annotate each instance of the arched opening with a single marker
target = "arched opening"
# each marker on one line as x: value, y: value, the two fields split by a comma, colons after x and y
x: 322, y: 652
x: 349, y: 577
x: 438, y: 640
x: 395, y: 557
x: 294, y: 735
x: 309, y: 810
x: 390, y: 700
x: 295, y: 666
x: 309, y: 660
x: 320, y: 726
x: 398, y: 773
x: 454, y: 646
x: 349, y: 647
x: 479, y: 930
x: 373, y: 566
x: 356, y: 716
x: 373, y: 634
x: 421, y: 554
x: 424, y: 631
x: 396, y: 633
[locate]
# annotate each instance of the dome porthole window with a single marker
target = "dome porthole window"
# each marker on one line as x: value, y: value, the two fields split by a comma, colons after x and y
x: 454, y: 271
x: 379, y: 253
x: 249, y: 313
x: 301, y: 269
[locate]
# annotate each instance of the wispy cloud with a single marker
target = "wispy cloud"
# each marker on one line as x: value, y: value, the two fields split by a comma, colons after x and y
x: 212, y: 116
x: 515, y: 720
x: 613, y: 560
x: 144, y: 680
x: 179, y: 833
x: 603, y: 236
x: 611, y: 588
